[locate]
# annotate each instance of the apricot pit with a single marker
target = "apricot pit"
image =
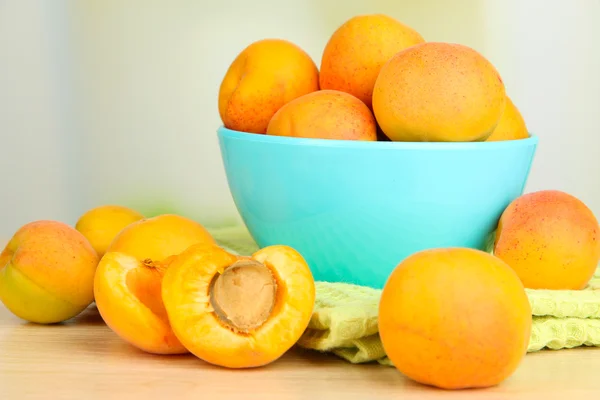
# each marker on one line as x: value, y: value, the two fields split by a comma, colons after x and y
x: 243, y: 296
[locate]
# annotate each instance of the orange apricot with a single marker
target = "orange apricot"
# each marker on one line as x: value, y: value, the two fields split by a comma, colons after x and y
x: 127, y: 285
x: 438, y: 92
x: 325, y: 114
x: 551, y: 239
x: 101, y: 224
x: 47, y: 272
x: 358, y: 49
x: 239, y: 311
x: 455, y: 318
x: 263, y: 77
x: 511, y: 126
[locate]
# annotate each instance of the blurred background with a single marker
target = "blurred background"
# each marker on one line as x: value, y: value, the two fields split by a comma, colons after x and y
x: 115, y: 101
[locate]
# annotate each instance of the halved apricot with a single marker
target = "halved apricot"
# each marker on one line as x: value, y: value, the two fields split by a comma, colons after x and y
x: 127, y: 284
x: 238, y: 311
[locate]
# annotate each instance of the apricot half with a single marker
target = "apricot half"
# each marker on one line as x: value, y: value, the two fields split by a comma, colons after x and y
x: 238, y: 311
x: 455, y: 318
x: 127, y: 285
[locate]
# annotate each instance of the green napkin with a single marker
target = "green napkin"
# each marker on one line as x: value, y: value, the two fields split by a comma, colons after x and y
x: 344, y: 320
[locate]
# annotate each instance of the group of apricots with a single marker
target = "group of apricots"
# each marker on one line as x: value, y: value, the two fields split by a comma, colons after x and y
x: 379, y: 80
x: 452, y: 318
x: 162, y: 284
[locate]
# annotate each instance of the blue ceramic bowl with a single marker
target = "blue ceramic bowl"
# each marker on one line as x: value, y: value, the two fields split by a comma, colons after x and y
x: 354, y: 210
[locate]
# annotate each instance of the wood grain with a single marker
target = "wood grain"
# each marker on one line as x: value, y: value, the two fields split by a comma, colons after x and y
x: 83, y: 359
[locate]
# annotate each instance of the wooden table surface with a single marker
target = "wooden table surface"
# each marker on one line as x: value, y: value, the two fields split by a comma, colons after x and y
x: 83, y: 359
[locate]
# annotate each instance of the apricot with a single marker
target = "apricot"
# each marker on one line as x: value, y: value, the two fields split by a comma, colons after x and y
x: 263, y: 77
x: 357, y: 50
x: 438, y: 92
x: 239, y: 311
x: 551, y: 239
x: 454, y: 318
x: 511, y: 126
x: 47, y: 272
x: 101, y: 224
x: 127, y: 285
x: 325, y: 114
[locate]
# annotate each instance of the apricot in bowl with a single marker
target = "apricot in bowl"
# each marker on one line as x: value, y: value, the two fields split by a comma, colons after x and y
x: 238, y: 311
x: 354, y: 209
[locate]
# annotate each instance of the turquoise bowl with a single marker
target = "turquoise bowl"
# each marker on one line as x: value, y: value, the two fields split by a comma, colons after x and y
x: 354, y: 210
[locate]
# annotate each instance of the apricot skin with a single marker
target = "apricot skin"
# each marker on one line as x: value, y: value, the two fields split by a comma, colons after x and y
x: 101, y: 224
x: 186, y: 295
x: 511, y: 126
x: 438, y: 92
x: 455, y: 319
x: 127, y: 284
x: 357, y: 50
x: 551, y: 239
x: 46, y: 272
x: 263, y: 77
x: 325, y: 114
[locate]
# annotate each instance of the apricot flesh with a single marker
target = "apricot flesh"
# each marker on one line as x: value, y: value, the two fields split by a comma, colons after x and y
x: 47, y: 272
x: 455, y: 319
x: 356, y: 51
x: 127, y: 284
x: 438, y: 92
x: 101, y: 224
x: 551, y: 239
x: 262, y: 78
x: 238, y: 312
x: 325, y: 114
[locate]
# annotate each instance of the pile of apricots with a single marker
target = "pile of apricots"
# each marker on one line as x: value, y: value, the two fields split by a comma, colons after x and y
x: 378, y: 80
x: 451, y: 318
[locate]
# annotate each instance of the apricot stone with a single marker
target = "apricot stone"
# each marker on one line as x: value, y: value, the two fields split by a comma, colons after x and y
x: 263, y: 77
x: 127, y: 285
x: 238, y: 311
x: 101, y: 224
x: 455, y: 318
x: 47, y: 272
x: 357, y: 50
x: 551, y: 239
x: 511, y: 126
x: 438, y: 92
x: 325, y: 114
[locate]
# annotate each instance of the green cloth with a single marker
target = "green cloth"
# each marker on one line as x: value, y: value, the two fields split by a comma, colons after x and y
x: 344, y: 320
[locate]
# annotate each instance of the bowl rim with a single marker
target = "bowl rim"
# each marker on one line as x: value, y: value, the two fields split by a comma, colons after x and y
x: 223, y: 132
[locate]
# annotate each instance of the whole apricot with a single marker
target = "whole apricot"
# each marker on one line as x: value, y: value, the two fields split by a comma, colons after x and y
x: 357, y: 50
x: 47, y: 272
x: 438, y: 92
x: 263, y: 77
x: 325, y: 114
x: 551, y: 239
x: 101, y: 224
x: 455, y: 318
x: 239, y: 311
x: 511, y: 126
x: 127, y: 285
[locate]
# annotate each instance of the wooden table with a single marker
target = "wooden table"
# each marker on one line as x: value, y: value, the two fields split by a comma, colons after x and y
x: 83, y: 359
